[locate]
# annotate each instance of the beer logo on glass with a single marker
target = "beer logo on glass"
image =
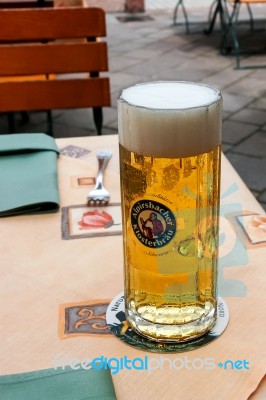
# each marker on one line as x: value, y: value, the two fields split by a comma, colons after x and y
x: 153, y: 223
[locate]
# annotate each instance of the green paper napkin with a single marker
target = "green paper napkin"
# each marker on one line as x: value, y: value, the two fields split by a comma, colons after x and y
x: 28, y: 174
x: 58, y: 384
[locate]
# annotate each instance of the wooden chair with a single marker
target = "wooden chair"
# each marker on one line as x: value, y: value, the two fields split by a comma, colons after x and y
x: 26, y: 3
x: 45, y: 54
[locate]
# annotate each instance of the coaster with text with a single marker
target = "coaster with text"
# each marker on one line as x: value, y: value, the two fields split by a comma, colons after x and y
x: 82, y: 221
x: 116, y: 321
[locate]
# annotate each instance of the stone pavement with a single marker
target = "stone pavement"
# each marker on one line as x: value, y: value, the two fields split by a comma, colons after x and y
x: 155, y: 49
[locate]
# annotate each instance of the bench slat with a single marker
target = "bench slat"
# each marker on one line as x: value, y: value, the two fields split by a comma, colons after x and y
x: 51, y: 23
x: 53, y: 58
x: 54, y: 94
x: 25, y: 4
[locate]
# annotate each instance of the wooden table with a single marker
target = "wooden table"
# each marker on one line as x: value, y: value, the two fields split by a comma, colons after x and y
x: 41, y: 274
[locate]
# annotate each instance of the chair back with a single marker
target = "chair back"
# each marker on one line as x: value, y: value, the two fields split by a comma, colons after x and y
x: 40, y: 41
x: 26, y: 3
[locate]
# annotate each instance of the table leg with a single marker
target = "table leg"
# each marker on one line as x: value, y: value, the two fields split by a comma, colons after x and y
x: 218, y: 10
x: 180, y: 3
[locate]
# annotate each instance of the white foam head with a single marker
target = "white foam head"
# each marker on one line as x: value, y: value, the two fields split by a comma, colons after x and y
x: 170, y: 119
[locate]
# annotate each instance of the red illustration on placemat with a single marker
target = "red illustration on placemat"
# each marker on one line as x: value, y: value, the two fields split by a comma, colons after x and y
x: 87, y: 221
x: 95, y: 219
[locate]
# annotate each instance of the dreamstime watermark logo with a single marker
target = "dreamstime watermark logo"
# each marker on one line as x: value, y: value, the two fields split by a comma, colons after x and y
x: 115, y: 365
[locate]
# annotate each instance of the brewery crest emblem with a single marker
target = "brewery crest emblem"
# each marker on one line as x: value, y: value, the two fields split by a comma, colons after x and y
x: 153, y: 223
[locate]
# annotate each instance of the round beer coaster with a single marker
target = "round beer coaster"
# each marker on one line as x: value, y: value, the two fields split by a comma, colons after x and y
x: 116, y: 321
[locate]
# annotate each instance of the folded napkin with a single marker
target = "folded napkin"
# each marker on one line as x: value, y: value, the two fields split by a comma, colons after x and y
x: 58, y: 384
x: 28, y: 174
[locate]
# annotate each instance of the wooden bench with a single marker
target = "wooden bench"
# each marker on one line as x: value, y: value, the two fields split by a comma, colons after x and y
x: 26, y: 3
x: 31, y: 47
x: 23, y: 4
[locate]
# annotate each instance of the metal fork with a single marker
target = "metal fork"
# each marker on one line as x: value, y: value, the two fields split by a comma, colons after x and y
x: 99, y: 194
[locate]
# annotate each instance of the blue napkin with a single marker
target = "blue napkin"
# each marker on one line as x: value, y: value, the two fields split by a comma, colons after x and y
x: 58, y: 384
x: 28, y: 174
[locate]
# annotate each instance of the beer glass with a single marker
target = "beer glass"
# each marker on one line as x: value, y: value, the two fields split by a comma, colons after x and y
x: 170, y: 150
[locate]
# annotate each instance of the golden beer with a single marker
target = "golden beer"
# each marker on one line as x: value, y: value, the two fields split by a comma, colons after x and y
x: 170, y: 180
